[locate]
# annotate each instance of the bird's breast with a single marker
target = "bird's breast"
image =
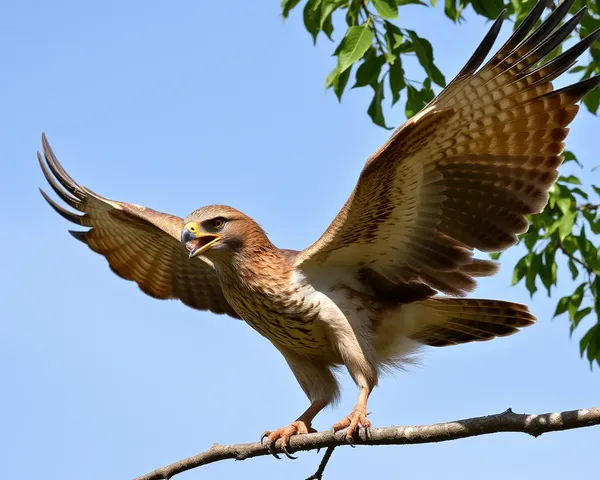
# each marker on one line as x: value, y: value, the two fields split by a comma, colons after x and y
x: 287, y: 314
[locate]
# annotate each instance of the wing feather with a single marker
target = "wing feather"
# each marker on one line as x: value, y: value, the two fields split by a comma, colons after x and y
x: 464, y: 172
x: 140, y: 244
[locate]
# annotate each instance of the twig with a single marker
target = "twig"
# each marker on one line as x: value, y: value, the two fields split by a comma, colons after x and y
x: 573, y: 257
x: 318, y: 475
x: 586, y: 207
x: 369, y: 16
x: 507, y: 421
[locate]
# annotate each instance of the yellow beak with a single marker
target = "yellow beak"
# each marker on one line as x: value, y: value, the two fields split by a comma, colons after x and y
x: 195, y: 241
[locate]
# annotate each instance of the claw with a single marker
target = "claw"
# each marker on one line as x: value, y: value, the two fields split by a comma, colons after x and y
x: 352, y: 422
x: 269, y: 445
x: 288, y: 454
x: 296, y: 428
x: 271, y: 449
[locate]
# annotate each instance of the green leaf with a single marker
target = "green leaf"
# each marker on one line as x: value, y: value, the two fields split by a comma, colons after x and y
x: 564, y: 203
x: 331, y: 76
x: 533, y: 268
x: 580, y: 192
x: 414, y: 103
x: 369, y: 70
x: 592, y: 100
x: 393, y: 36
x: 386, y: 8
x: 593, y: 221
x: 488, y: 8
x: 570, y: 179
x: 424, y: 53
x: 552, y: 228
x: 562, y: 306
x: 451, y: 10
x: 396, y: 79
x: 581, y: 314
x: 588, y: 24
x: 545, y: 273
x: 570, y: 157
x: 354, y: 45
x: 548, y: 273
x: 575, y: 300
x: 591, y: 343
x: 519, y: 271
x: 566, y: 225
x: 287, y: 6
x: 339, y: 83
x: 573, y: 268
x: 327, y: 27
x: 531, y: 238
x: 327, y: 8
x: 312, y: 18
x: 352, y: 13
x: 426, y: 92
x: 375, y: 111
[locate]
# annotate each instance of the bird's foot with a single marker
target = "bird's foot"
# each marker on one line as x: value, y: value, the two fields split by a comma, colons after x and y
x: 298, y: 427
x: 352, y: 421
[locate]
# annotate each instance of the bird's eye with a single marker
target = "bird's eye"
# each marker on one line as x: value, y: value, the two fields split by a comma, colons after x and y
x: 218, y: 222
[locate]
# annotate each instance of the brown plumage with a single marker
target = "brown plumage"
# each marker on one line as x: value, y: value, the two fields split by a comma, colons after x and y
x: 459, y: 176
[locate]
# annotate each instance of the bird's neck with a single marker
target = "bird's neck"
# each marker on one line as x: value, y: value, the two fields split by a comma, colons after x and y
x: 257, y: 266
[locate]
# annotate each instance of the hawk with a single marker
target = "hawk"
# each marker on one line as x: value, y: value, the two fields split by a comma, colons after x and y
x: 459, y: 176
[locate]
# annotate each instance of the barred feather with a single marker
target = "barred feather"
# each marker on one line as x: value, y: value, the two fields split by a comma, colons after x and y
x: 464, y: 173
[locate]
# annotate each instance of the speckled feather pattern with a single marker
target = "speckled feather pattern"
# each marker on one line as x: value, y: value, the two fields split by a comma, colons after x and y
x: 463, y: 173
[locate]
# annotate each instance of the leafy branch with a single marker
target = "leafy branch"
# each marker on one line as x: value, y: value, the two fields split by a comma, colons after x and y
x: 507, y: 421
x: 564, y: 226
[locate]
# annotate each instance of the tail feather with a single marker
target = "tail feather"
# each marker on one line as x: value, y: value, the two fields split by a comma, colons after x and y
x: 440, y: 322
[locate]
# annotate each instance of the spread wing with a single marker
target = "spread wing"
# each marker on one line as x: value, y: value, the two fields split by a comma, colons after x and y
x: 463, y: 173
x: 139, y: 243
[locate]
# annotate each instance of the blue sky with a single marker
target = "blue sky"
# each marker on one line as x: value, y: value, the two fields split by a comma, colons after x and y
x: 176, y: 105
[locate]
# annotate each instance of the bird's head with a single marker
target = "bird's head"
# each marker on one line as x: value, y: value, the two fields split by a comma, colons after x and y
x: 218, y: 231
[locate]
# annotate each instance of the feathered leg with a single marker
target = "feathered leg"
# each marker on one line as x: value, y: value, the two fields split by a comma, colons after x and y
x: 320, y: 386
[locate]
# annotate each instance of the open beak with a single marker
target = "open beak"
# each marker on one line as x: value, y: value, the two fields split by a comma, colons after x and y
x: 196, y: 243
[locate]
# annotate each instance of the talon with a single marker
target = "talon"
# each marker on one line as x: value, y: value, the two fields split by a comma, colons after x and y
x: 288, y: 454
x: 272, y: 451
x: 357, y: 418
x: 296, y: 428
x: 265, y: 434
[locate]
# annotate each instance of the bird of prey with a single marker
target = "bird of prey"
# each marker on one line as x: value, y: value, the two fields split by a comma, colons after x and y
x: 459, y: 176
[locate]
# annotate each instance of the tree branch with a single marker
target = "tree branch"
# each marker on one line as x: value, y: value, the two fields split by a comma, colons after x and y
x: 588, y: 207
x: 573, y: 257
x: 318, y: 475
x: 507, y: 421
